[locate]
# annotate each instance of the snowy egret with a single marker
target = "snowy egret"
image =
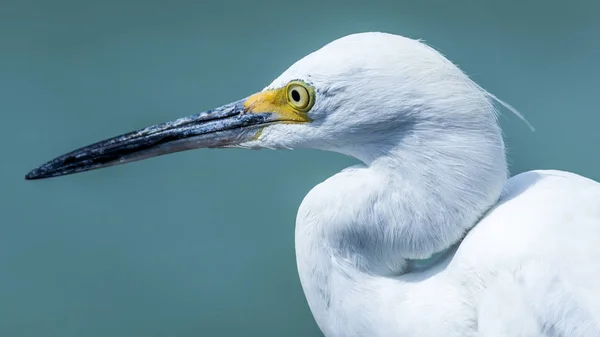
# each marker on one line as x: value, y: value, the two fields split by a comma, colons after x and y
x: 429, y: 236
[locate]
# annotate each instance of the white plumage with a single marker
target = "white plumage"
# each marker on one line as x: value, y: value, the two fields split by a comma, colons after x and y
x: 434, y: 164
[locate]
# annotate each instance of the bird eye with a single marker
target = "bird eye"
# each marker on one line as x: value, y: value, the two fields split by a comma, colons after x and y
x: 298, y: 96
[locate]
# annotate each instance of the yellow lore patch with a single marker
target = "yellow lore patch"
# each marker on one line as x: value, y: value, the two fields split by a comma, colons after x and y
x: 290, y: 103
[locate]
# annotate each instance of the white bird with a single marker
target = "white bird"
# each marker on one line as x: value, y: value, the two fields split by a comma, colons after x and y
x: 428, y: 236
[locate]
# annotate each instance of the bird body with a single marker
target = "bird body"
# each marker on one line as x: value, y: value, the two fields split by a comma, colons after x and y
x: 528, y: 268
x: 428, y: 236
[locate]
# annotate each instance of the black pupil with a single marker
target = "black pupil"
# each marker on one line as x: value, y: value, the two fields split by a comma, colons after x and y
x: 295, y: 95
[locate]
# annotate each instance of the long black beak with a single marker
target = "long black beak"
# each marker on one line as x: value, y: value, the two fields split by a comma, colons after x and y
x: 226, y: 126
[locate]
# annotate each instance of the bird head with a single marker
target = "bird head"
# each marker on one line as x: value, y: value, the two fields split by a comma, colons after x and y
x: 364, y: 95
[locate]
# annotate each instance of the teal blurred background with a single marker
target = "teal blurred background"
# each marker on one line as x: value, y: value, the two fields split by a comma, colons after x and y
x: 186, y: 244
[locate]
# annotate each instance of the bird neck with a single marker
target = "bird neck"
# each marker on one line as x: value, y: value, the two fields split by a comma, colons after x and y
x: 436, y: 186
x: 379, y: 221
